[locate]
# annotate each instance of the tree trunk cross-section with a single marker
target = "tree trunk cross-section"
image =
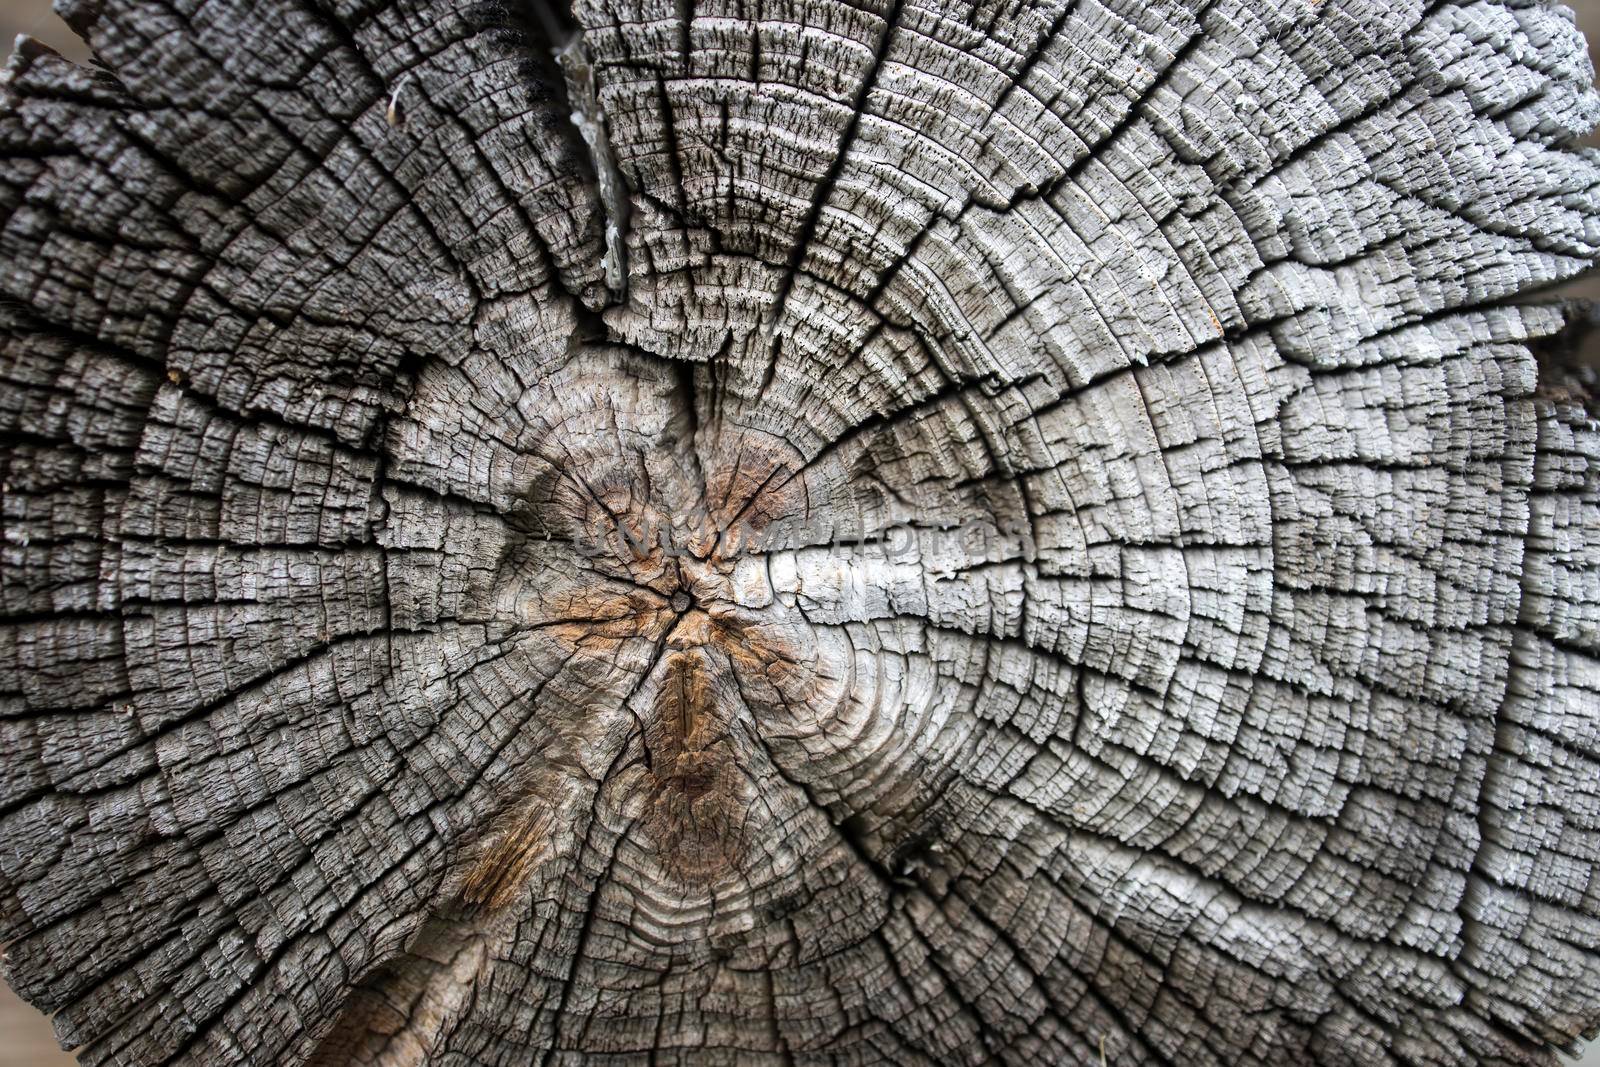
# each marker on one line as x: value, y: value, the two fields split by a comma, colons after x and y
x: 800, y: 532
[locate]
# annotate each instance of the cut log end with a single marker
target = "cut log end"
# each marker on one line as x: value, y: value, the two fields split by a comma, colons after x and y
x: 905, y: 532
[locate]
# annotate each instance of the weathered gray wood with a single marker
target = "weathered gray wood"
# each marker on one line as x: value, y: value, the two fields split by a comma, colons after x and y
x: 916, y: 532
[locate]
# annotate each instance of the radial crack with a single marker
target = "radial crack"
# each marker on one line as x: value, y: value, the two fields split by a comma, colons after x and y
x: 590, y: 118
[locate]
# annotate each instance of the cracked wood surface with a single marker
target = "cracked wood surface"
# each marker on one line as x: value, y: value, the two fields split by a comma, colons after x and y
x: 801, y: 532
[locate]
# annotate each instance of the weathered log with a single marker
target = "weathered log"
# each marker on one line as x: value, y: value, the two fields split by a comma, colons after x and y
x: 800, y: 532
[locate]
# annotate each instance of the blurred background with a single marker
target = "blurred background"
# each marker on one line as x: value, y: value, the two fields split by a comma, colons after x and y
x: 26, y: 1039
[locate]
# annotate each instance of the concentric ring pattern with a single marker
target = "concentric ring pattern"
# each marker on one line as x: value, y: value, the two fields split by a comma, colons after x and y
x: 1057, y: 539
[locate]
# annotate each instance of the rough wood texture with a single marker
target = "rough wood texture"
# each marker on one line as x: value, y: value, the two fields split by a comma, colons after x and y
x: 801, y: 532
